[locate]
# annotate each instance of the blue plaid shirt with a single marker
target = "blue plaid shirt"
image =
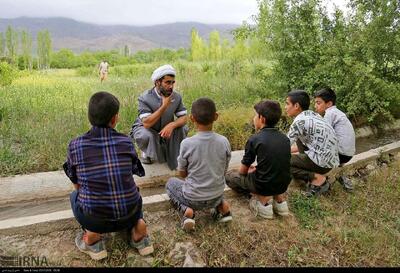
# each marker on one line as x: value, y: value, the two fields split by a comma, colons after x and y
x: 102, y: 162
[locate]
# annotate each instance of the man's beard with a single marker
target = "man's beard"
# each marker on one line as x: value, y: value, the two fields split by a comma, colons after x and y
x: 165, y: 92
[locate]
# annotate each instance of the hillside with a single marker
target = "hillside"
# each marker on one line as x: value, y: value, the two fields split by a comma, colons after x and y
x: 80, y: 36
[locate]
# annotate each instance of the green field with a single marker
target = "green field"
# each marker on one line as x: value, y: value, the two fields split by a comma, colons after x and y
x: 41, y: 112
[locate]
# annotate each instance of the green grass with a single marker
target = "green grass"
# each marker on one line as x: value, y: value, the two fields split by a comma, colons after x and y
x: 307, y: 210
x: 40, y: 112
x: 340, y: 229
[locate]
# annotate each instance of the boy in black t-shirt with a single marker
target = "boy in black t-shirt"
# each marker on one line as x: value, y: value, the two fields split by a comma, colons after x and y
x: 268, y: 181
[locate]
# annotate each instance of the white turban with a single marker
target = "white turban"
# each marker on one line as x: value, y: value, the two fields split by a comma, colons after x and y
x: 162, y: 71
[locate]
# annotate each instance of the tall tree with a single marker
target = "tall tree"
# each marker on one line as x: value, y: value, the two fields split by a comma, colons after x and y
x: 127, y: 51
x: 357, y: 55
x: 198, y: 49
x: 215, y: 50
x: 2, y: 45
x: 12, y: 44
x: 225, y: 49
x: 44, y: 49
x: 378, y: 39
x: 26, y: 45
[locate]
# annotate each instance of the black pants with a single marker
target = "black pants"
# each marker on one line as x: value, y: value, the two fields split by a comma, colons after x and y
x: 344, y: 158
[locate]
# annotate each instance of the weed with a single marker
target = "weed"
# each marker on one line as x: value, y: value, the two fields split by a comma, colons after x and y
x: 307, y: 210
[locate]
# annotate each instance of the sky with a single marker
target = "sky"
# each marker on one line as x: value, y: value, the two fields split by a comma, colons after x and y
x: 139, y: 12
x: 134, y: 12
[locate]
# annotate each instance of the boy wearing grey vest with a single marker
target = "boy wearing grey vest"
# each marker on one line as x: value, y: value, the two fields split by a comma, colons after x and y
x: 203, y: 161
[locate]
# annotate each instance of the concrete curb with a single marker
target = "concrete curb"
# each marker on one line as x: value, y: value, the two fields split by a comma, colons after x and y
x: 45, y: 223
x: 362, y: 159
x: 150, y: 204
x: 45, y: 185
x: 368, y: 130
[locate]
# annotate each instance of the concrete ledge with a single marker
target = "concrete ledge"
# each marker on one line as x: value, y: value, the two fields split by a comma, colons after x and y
x: 47, y: 185
x: 362, y: 159
x: 48, y: 222
x: 368, y: 130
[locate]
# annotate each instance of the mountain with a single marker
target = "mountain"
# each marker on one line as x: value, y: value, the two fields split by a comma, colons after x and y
x: 80, y: 36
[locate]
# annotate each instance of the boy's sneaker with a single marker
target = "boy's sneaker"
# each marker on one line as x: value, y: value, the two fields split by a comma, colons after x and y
x: 96, y: 251
x: 261, y: 210
x: 313, y: 190
x: 281, y: 209
x: 346, y: 183
x: 188, y: 224
x: 144, y: 246
x: 218, y: 217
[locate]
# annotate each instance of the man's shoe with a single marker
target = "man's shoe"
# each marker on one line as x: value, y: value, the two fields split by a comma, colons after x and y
x: 346, y: 183
x: 313, y: 190
x: 281, y: 209
x: 96, y: 251
x: 260, y: 210
x: 146, y: 160
x: 144, y: 246
x: 218, y: 217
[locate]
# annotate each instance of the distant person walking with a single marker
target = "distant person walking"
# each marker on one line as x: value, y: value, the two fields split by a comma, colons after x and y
x: 103, y: 70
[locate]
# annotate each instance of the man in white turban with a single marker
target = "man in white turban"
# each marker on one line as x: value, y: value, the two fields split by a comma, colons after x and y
x: 161, y: 125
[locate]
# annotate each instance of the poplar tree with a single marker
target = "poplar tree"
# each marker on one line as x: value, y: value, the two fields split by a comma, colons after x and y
x: 26, y: 45
x: 198, y: 49
x: 215, y: 50
x: 44, y: 49
x: 2, y: 45
x: 127, y: 51
x: 11, y: 44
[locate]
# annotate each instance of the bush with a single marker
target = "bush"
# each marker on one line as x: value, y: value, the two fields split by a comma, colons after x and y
x: 7, y: 74
x: 86, y: 71
x: 236, y: 125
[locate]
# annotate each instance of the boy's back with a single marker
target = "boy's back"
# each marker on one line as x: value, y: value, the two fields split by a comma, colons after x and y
x: 272, y: 149
x: 344, y: 130
x: 206, y: 157
x: 203, y: 160
x: 100, y: 164
x: 104, y: 161
x: 318, y: 136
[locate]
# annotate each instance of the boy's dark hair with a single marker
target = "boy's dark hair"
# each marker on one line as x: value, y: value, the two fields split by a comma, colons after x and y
x: 270, y: 110
x: 102, y: 107
x: 301, y: 97
x: 326, y: 94
x: 203, y: 111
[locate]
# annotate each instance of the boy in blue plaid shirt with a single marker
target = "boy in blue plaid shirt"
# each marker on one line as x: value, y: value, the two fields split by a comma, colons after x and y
x: 100, y: 164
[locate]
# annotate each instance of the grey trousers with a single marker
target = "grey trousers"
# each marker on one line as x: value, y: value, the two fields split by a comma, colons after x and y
x: 158, y: 148
x: 175, y: 193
